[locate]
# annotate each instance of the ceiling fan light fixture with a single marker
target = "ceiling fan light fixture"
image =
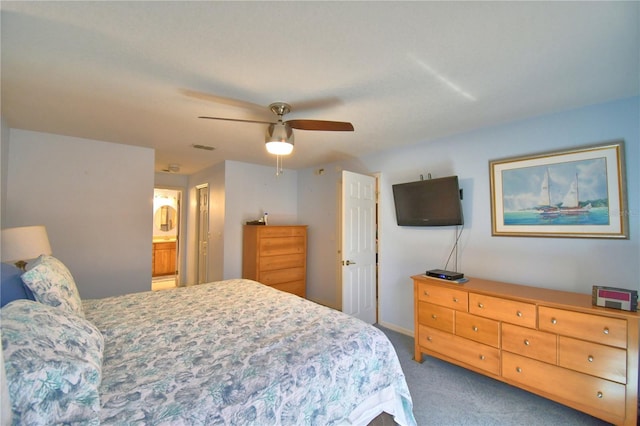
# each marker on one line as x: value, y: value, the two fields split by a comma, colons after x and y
x: 279, y: 147
x: 279, y: 139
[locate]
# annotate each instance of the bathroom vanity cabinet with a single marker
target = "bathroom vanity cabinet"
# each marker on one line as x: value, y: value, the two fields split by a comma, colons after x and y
x: 164, y: 258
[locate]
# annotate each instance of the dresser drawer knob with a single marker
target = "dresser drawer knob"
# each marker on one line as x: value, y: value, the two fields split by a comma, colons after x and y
x: 455, y: 300
x: 518, y: 370
x: 482, y: 357
x: 480, y: 305
x: 606, y: 330
x: 426, y: 293
x: 434, y: 316
x: 600, y: 394
x: 526, y: 342
x: 554, y: 321
x: 519, y: 314
x: 429, y: 338
x: 590, y: 358
x: 474, y: 328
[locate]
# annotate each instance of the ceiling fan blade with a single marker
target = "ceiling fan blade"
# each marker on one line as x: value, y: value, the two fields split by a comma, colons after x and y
x: 335, y: 126
x: 224, y: 100
x: 238, y: 119
x: 316, y: 104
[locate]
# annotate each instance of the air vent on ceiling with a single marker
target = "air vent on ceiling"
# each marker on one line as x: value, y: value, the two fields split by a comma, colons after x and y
x: 205, y: 147
x: 172, y: 168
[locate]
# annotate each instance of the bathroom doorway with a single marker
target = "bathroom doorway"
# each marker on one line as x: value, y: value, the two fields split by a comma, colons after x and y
x: 166, y: 237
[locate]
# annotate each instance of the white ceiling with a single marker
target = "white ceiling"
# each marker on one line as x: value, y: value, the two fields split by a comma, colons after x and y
x: 140, y: 73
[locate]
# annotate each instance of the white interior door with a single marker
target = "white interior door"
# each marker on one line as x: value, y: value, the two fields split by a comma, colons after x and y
x: 203, y: 233
x: 359, y: 246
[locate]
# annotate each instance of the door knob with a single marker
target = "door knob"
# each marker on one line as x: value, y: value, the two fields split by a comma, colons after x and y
x: 348, y: 262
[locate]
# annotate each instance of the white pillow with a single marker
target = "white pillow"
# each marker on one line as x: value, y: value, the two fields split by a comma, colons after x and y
x: 52, y: 284
x: 53, y: 363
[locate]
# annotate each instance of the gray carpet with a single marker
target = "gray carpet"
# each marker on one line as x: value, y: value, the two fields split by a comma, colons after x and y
x: 444, y: 394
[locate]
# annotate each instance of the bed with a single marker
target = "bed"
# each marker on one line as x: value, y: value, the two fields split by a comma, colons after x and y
x: 233, y: 352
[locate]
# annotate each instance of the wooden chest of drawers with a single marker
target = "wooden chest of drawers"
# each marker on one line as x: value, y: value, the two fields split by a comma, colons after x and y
x: 276, y: 256
x: 552, y: 343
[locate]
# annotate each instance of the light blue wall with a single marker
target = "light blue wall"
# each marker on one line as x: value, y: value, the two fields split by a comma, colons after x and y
x: 250, y: 190
x: 560, y: 263
x: 214, y: 178
x: 238, y: 192
x: 96, y: 200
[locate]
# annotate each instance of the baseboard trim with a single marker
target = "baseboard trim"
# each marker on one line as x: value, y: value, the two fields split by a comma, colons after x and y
x: 396, y: 328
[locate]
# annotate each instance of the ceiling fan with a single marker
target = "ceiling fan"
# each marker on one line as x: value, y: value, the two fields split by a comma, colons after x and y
x: 279, y: 139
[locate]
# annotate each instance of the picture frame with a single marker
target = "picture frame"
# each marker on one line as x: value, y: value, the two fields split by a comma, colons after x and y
x: 572, y: 193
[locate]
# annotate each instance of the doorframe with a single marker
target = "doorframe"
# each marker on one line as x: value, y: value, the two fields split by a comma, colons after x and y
x: 181, y: 230
x: 377, y: 176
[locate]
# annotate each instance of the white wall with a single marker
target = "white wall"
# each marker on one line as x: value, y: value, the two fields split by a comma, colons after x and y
x: 4, y: 161
x: 560, y: 263
x: 95, y: 198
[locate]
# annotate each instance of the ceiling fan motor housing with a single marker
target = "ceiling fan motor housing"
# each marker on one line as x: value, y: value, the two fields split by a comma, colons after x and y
x: 280, y: 108
x: 279, y: 139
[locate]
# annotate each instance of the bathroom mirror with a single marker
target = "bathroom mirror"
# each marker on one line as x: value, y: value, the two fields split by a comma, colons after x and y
x: 165, y: 218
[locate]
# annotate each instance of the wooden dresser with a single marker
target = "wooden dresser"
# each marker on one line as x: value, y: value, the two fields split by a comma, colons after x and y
x: 552, y: 343
x: 276, y: 256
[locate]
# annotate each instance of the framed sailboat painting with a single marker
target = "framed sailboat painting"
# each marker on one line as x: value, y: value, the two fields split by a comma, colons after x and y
x: 576, y: 193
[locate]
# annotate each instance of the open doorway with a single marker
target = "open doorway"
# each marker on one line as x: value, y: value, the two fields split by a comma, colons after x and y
x: 166, y: 237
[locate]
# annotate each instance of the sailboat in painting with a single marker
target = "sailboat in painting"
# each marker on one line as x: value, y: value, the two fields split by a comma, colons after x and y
x: 570, y: 204
x: 545, y: 208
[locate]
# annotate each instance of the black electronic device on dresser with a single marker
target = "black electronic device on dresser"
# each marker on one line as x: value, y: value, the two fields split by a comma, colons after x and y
x: 445, y: 275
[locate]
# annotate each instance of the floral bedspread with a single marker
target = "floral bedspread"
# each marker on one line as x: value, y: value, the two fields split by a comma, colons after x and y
x: 237, y: 352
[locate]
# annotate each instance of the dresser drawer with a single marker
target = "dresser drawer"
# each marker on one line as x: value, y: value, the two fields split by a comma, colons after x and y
x: 593, y: 358
x: 283, y: 261
x: 597, y: 396
x: 476, y: 328
x: 472, y: 353
x: 530, y: 343
x: 281, y: 276
x: 295, y: 287
x: 506, y: 310
x: 278, y: 246
x: 436, y: 316
x: 282, y: 231
x: 443, y: 296
x: 595, y: 328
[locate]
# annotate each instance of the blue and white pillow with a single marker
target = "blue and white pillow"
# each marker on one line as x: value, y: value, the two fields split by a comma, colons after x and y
x: 52, y: 284
x: 53, y: 364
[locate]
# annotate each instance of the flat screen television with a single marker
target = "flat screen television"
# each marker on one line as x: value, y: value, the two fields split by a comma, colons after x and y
x: 431, y: 202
